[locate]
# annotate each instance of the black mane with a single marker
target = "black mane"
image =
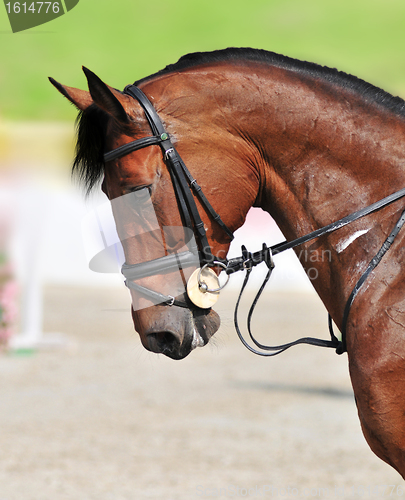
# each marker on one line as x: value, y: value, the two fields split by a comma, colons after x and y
x: 91, y: 133
x: 92, y: 123
x: 331, y: 75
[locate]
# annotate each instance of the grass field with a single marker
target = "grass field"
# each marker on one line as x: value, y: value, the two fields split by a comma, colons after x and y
x: 128, y: 39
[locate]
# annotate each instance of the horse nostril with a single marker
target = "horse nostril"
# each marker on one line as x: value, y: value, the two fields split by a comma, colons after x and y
x: 163, y: 342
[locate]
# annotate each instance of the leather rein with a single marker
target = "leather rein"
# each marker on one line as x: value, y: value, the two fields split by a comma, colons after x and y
x: 185, y: 187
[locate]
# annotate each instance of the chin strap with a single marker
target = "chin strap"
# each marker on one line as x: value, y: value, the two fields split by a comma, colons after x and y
x: 156, y: 297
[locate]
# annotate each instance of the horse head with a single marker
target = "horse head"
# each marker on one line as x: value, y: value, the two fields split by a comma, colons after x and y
x: 148, y: 213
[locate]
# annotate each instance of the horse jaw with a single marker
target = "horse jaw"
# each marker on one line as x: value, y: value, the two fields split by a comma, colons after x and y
x: 175, y: 332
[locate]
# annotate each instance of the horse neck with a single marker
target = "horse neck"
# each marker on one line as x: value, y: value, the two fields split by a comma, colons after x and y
x: 326, y: 152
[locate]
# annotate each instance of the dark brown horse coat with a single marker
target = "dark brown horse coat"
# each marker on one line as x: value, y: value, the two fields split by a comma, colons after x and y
x: 307, y: 144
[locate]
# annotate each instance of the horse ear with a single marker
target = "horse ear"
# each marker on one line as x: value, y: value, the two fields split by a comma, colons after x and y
x: 106, y: 97
x: 80, y: 98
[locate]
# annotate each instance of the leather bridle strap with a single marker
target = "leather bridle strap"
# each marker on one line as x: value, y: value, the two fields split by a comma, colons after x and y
x: 157, y: 297
x: 168, y: 263
x: 184, y: 179
x: 132, y: 146
x: 372, y: 265
x: 183, y: 184
x: 171, y: 153
x: 238, y: 263
x: 187, y: 205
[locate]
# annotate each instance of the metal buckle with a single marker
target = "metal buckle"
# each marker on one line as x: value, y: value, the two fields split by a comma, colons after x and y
x: 268, y: 257
x: 166, y: 155
x: 247, y: 264
x: 171, y: 302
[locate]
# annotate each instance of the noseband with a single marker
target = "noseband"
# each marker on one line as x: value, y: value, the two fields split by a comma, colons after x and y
x: 184, y: 186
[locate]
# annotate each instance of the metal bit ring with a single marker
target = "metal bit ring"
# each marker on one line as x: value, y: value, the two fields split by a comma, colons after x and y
x: 203, y: 286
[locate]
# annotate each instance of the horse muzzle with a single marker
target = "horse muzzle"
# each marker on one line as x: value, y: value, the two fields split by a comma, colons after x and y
x: 175, y: 332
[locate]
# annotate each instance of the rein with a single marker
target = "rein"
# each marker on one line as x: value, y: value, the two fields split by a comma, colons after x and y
x: 248, y: 260
x: 184, y: 186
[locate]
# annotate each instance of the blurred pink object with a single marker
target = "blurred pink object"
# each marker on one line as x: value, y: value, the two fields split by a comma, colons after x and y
x: 8, y: 292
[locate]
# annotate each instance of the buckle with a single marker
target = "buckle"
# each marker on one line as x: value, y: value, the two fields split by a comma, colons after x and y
x: 268, y: 256
x: 167, y: 152
x: 171, y: 301
x: 247, y: 263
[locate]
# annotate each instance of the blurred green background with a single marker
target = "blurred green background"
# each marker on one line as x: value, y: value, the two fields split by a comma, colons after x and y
x: 123, y: 40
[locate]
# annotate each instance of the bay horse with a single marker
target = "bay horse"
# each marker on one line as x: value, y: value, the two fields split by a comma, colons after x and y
x: 307, y: 144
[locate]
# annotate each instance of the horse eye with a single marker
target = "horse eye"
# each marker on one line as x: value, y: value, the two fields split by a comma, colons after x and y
x: 142, y: 193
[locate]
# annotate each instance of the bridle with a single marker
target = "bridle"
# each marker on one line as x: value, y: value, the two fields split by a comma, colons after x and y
x: 184, y: 186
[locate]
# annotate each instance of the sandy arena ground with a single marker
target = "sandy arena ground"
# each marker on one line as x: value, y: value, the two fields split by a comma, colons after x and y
x: 104, y: 419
